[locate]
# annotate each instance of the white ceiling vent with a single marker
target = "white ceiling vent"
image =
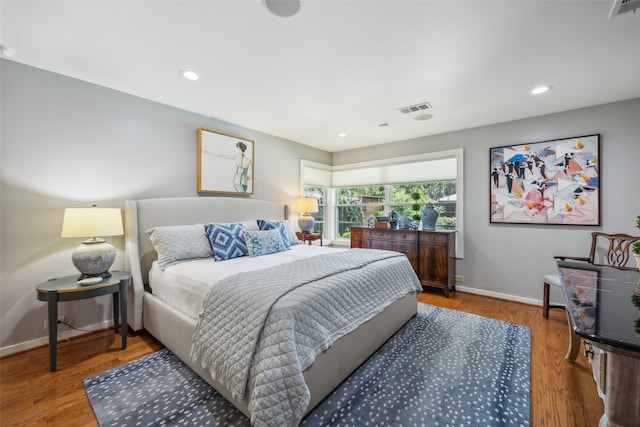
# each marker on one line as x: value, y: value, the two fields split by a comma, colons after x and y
x: 417, y: 107
x: 624, y: 6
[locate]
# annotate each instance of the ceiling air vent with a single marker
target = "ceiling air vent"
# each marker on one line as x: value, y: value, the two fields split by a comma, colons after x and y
x: 417, y: 107
x: 624, y: 6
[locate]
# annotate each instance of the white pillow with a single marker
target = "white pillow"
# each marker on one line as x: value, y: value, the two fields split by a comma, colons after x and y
x: 179, y: 243
x: 293, y: 237
x: 249, y: 225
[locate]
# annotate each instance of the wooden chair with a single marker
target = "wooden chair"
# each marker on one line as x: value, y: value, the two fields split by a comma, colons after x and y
x: 606, y: 249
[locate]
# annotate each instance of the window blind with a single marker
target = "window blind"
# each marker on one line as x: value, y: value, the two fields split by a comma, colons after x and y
x: 312, y: 175
x: 399, y: 173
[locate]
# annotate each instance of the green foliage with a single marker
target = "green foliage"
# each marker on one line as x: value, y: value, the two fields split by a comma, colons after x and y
x: 354, y: 204
x: 447, y: 220
x: 416, y: 211
x: 636, y: 246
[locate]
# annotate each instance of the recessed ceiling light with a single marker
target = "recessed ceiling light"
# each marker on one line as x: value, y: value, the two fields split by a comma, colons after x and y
x: 282, y: 8
x: 540, y: 89
x: 423, y: 117
x: 383, y: 125
x: 189, y: 75
x: 342, y: 135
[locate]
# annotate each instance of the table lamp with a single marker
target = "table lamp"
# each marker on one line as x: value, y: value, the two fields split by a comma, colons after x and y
x: 94, y: 256
x: 305, y: 206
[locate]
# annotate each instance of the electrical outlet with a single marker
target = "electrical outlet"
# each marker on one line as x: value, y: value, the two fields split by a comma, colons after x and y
x: 46, y: 321
x: 459, y: 279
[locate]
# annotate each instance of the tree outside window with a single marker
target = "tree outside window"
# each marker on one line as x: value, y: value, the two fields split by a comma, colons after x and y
x: 355, y: 204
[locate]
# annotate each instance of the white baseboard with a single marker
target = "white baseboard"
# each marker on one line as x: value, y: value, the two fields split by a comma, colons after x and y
x: 64, y: 332
x: 70, y: 333
x: 530, y: 301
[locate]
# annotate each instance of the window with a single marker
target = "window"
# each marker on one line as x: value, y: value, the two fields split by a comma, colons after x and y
x: 356, y: 204
x: 319, y: 193
x: 441, y: 193
x: 351, y: 193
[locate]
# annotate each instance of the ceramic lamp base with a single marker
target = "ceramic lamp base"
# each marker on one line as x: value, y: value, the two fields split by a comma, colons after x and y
x: 305, y: 222
x: 94, y: 258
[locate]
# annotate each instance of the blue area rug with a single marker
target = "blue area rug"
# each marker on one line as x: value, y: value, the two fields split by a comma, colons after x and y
x: 443, y: 368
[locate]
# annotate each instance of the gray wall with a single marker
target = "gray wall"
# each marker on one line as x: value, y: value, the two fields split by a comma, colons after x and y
x: 512, y: 259
x: 67, y: 143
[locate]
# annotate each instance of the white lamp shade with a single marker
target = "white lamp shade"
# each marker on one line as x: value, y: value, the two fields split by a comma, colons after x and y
x: 92, y: 222
x: 307, y: 205
x: 94, y: 257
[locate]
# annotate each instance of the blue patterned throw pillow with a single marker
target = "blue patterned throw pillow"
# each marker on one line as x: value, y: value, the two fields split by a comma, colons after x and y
x: 275, y: 225
x: 263, y: 242
x: 226, y: 241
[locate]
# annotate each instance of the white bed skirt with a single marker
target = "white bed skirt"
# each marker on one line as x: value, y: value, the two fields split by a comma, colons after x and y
x: 175, y: 330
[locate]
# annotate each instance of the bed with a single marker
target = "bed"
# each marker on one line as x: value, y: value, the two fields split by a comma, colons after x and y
x: 174, y: 323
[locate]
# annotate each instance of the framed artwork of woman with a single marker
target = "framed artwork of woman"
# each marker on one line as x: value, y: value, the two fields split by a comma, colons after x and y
x: 225, y: 163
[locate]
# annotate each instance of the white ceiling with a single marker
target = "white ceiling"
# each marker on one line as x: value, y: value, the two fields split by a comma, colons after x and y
x: 339, y: 66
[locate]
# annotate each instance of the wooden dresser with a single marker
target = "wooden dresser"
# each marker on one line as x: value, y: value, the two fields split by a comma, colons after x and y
x: 431, y: 253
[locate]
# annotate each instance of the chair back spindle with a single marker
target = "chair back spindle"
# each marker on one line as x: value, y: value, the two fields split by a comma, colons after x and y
x: 612, y: 249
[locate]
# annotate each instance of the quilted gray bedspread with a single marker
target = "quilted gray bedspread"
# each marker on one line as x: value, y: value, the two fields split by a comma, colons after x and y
x: 259, y: 330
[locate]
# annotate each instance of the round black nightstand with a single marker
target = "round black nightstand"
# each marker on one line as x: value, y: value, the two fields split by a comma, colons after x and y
x: 68, y: 289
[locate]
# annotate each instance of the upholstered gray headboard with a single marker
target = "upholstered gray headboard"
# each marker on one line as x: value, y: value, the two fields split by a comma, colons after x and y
x: 141, y: 215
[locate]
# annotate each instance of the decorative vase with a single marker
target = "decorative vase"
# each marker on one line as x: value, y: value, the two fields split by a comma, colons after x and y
x: 394, y: 219
x: 429, y: 215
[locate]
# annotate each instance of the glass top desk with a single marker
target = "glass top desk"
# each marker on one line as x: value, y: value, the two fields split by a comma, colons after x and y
x: 603, y: 307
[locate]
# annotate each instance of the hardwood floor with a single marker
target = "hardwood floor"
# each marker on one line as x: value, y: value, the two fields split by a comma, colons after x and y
x: 562, y: 394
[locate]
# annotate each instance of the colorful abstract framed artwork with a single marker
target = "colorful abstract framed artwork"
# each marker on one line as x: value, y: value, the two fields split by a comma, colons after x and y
x: 548, y: 182
x: 225, y: 163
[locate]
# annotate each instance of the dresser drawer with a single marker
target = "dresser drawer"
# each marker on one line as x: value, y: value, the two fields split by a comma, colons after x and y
x: 381, y: 234
x: 406, y: 236
x: 434, y: 238
x: 356, y: 232
x: 387, y: 245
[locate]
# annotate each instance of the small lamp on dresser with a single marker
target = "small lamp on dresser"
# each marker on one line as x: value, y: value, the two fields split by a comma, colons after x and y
x: 94, y: 257
x: 306, y: 206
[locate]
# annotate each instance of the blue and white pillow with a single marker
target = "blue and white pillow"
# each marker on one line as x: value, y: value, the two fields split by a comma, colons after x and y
x: 226, y: 241
x: 263, y: 242
x: 275, y: 225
